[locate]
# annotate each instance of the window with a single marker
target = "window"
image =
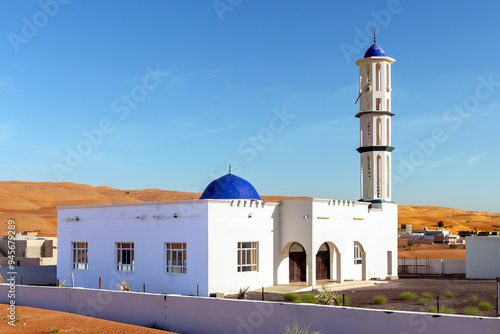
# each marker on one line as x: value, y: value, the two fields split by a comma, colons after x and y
x: 247, y: 256
x: 125, y: 256
x: 176, y: 257
x: 379, y: 177
x: 379, y: 130
x: 368, y: 177
x: 80, y: 255
x: 388, y: 177
x: 368, y: 132
x: 378, y: 77
x: 357, y: 254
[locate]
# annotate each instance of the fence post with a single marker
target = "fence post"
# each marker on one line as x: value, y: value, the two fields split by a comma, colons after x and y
x: 262, y: 293
x: 438, y: 304
x: 99, y: 282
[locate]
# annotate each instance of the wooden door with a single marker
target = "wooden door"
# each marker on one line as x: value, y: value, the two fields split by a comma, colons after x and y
x: 297, y: 266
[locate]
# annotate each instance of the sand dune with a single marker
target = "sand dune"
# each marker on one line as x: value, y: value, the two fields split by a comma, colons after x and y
x: 32, y: 206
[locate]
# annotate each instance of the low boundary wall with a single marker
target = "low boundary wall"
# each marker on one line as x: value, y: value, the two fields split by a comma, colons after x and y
x: 36, y: 275
x: 208, y: 315
x: 431, y: 267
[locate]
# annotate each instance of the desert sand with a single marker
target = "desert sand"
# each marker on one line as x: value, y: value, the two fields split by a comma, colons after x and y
x: 35, y: 320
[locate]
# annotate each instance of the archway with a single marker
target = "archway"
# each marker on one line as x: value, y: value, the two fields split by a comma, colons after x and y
x: 297, y: 263
x: 323, y: 262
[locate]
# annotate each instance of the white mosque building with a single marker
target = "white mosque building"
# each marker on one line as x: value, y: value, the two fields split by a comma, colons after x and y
x: 231, y: 239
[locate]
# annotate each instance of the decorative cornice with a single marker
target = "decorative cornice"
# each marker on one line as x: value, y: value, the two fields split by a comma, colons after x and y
x: 363, y: 149
x: 388, y: 113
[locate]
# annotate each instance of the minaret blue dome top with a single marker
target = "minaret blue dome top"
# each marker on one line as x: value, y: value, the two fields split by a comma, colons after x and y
x: 230, y: 186
x: 374, y: 51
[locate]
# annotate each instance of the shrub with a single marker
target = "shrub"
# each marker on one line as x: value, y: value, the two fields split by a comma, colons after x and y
x: 292, y: 297
x: 329, y: 297
x: 155, y: 325
x: 296, y: 330
x: 123, y: 285
x: 380, y: 300
x: 474, y: 298
x: 407, y: 295
x: 427, y: 295
x: 485, y: 306
x: 242, y: 294
x: 54, y: 329
x: 63, y: 284
x: 309, y: 298
x: 410, y: 243
x: 422, y: 301
x: 440, y: 224
x: 449, y: 294
x: 472, y: 310
x: 453, y: 246
x: 442, y: 309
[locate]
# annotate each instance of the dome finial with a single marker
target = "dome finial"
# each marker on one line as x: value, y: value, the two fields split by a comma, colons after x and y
x: 374, y: 36
x: 229, y: 168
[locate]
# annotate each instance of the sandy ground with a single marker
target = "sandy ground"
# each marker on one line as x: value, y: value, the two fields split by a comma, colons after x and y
x: 34, y: 320
x: 435, y: 251
x: 462, y: 293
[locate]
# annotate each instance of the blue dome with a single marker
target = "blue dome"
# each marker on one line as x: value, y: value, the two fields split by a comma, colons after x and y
x: 230, y: 186
x: 374, y: 51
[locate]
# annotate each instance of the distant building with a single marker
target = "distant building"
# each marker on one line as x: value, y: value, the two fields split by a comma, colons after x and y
x: 231, y: 239
x: 30, y: 250
x: 480, y: 257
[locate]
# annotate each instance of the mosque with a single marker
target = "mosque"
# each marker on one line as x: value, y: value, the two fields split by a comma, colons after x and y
x: 230, y: 239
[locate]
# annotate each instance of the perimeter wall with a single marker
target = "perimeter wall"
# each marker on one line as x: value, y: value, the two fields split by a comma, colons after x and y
x: 209, y: 315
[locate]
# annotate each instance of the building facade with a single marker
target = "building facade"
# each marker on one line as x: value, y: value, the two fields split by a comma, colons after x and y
x: 231, y: 239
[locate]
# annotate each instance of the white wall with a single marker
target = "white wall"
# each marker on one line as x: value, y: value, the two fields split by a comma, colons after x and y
x: 36, y: 275
x: 435, y: 267
x: 481, y: 257
x: 229, y: 223
x: 209, y: 315
x: 104, y: 225
x: 339, y: 223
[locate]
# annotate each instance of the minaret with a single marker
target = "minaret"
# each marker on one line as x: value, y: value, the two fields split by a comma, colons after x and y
x: 375, y: 124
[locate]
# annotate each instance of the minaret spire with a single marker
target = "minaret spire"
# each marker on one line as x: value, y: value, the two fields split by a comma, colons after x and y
x: 374, y: 36
x: 229, y: 168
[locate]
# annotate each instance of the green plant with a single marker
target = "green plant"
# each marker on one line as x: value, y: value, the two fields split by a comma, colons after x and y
x: 309, y: 298
x: 292, y: 297
x: 422, y: 301
x: 485, y: 306
x: 123, y: 285
x: 472, y: 310
x: 407, y: 295
x: 54, y: 330
x: 329, y: 297
x: 63, y: 284
x: 380, y: 300
x: 127, y: 192
x: 427, y: 295
x: 410, y: 243
x: 449, y: 294
x: 242, y: 294
x: 453, y: 246
x: 474, y: 298
x: 296, y: 330
x: 442, y: 309
x: 440, y: 223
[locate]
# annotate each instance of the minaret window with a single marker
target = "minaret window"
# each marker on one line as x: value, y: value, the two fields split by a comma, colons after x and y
x: 378, y: 78
x: 379, y: 131
x: 367, y: 104
x: 388, y: 106
x: 368, y: 177
x: 388, y: 76
x: 367, y: 74
x: 388, y: 177
x: 378, y: 104
x: 387, y: 128
x: 368, y: 132
x: 379, y: 177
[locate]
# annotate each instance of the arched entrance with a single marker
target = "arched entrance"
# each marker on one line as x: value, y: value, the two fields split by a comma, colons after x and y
x: 297, y: 263
x: 323, y: 262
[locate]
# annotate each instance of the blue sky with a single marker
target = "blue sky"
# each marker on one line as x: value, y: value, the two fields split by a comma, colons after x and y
x: 165, y: 94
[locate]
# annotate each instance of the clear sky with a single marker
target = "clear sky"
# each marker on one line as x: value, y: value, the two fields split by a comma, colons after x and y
x: 165, y: 94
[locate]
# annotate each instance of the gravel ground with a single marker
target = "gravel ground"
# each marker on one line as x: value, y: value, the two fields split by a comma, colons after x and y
x: 463, y: 293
